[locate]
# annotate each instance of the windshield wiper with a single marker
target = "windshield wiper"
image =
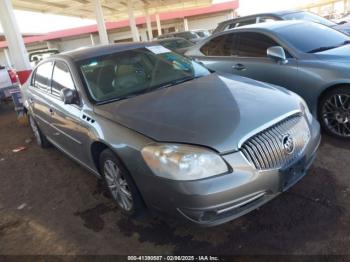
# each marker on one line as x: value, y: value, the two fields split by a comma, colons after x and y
x: 325, y: 48
x: 182, y: 80
x: 320, y: 49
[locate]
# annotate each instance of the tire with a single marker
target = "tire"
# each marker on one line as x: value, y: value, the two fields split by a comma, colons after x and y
x: 120, y: 184
x: 334, y: 112
x: 40, y: 138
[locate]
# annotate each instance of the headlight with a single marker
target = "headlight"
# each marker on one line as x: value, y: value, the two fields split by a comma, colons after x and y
x: 305, y: 110
x: 183, y: 162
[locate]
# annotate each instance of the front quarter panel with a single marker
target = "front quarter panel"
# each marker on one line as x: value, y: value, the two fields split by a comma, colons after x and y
x: 318, y: 76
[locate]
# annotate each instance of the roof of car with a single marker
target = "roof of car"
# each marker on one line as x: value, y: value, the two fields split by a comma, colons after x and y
x: 88, y: 52
x: 169, y: 39
x: 271, y: 26
x: 276, y: 13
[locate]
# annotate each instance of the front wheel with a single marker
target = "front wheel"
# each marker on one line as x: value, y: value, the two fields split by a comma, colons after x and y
x: 120, y: 184
x: 334, y: 112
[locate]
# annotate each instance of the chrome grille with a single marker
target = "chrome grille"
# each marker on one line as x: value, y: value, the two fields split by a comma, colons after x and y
x: 269, y: 148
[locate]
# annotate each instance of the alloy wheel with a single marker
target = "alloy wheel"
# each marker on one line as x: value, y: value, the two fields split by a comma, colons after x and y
x: 336, y: 114
x: 118, y: 185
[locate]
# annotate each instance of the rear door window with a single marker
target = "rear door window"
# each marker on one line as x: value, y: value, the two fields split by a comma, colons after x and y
x: 43, y: 75
x: 223, y: 45
x: 253, y: 44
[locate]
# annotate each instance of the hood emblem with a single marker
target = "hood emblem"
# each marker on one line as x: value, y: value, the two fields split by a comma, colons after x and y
x: 288, y: 144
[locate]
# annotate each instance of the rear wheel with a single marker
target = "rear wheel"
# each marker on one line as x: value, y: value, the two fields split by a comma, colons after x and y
x: 120, y: 184
x: 39, y: 136
x: 334, y: 112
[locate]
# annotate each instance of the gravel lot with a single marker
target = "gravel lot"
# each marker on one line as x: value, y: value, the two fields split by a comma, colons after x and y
x: 50, y: 205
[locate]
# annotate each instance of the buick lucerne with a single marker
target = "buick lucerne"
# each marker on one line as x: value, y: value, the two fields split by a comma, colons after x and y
x: 167, y: 134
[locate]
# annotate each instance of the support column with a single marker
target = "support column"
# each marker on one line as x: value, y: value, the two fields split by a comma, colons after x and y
x: 186, y: 24
x: 92, y: 40
x: 102, y: 31
x: 346, y: 6
x: 159, y: 27
x: 149, y: 25
x: 14, y: 40
x: 132, y: 23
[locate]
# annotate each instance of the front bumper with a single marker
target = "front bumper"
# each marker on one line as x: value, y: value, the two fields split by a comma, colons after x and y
x: 216, y: 200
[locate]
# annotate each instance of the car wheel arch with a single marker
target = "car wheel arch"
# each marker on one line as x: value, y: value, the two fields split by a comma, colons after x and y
x: 329, y: 89
x: 96, y: 148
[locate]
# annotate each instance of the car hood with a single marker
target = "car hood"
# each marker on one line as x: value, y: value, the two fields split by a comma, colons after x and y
x: 216, y: 111
x: 340, y: 54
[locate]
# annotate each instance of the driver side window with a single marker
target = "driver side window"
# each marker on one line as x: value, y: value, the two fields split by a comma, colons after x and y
x: 253, y: 44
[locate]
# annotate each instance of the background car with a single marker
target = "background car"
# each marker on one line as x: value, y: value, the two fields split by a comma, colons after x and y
x: 307, y: 58
x: 167, y: 134
x: 280, y: 16
x: 36, y: 56
x: 202, y: 32
x: 177, y: 44
x: 188, y: 35
x: 8, y: 81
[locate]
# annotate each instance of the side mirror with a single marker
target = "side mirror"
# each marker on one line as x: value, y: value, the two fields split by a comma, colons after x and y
x: 277, y: 53
x: 68, y: 96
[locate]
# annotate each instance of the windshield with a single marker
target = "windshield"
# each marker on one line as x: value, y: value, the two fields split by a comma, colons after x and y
x: 309, y: 17
x: 124, y: 74
x: 313, y: 37
x: 176, y: 43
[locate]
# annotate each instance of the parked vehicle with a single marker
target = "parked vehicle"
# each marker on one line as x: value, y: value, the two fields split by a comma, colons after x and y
x: 176, y: 44
x: 167, y: 134
x: 280, y: 16
x: 188, y: 35
x: 36, y: 56
x: 307, y: 58
x: 202, y: 33
x: 8, y: 81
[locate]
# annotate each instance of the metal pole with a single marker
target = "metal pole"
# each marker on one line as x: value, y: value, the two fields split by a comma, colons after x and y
x: 102, y: 31
x: 159, y: 27
x: 186, y: 24
x: 149, y: 25
x: 132, y: 23
x: 14, y: 40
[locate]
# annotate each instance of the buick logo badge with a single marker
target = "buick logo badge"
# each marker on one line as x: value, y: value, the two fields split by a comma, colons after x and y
x: 288, y: 144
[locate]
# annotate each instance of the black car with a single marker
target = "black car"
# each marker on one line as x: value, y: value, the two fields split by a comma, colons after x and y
x: 176, y: 44
x: 278, y: 16
x: 188, y: 35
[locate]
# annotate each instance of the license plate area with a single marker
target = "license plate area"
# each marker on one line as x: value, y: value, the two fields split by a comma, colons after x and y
x: 293, y: 174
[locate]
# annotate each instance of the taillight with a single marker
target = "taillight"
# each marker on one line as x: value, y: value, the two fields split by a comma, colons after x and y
x: 13, y: 76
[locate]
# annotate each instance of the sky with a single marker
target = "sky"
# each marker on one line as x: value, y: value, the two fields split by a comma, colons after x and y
x: 30, y: 22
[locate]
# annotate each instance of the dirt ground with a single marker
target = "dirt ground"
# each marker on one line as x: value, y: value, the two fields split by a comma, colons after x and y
x: 50, y: 205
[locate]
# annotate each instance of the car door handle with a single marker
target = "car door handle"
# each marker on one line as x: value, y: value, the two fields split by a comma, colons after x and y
x: 239, y: 67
